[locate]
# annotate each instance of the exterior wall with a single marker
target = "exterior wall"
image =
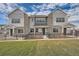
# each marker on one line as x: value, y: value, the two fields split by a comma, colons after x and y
x: 16, y: 30
x: 59, y: 29
x: 18, y: 14
x: 50, y: 23
x: 59, y: 14
x: 31, y: 22
x: 26, y: 24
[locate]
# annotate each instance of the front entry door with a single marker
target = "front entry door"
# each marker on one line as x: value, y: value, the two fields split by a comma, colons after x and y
x: 65, y: 31
x: 11, y: 32
x: 43, y: 30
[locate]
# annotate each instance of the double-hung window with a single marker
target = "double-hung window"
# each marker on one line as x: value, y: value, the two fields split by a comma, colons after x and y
x: 20, y: 30
x: 31, y: 30
x: 15, y: 20
x: 55, y: 29
x: 60, y: 19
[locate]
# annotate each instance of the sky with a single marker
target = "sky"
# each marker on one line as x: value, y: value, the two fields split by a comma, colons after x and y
x: 71, y: 9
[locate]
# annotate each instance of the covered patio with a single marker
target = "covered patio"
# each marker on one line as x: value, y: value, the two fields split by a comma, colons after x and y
x: 69, y: 29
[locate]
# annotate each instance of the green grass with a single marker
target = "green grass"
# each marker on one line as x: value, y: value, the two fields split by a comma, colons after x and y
x: 40, y: 48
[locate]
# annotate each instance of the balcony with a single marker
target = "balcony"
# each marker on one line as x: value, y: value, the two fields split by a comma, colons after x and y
x: 40, y: 23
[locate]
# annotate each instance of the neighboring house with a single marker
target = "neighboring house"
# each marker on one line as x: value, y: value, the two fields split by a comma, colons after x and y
x: 3, y: 30
x: 39, y: 25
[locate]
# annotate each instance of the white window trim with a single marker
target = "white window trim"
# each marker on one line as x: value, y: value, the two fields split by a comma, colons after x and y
x: 55, y: 28
x: 60, y: 19
x: 14, y: 20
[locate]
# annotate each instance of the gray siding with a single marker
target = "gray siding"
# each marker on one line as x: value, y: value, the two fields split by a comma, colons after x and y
x: 26, y: 24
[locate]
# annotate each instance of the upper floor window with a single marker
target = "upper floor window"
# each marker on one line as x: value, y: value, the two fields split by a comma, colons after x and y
x: 60, y: 19
x: 15, y: 20
x: 41, y: 20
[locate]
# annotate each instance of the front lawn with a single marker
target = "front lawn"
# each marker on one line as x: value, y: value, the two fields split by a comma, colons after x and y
x: 40, y: 48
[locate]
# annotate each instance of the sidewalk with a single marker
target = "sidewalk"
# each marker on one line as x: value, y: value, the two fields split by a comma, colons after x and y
x: 40, y: 39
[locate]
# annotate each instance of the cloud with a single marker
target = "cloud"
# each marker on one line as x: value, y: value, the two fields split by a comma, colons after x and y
x: 23, y: 9
x: 7, y: 7
x: 46, y: 8
x: 74, y: 14
x: 74, y: 5
x: 2, y: 19
x: 61, y: 4
x: 43, y: 9
x: 39, y: 13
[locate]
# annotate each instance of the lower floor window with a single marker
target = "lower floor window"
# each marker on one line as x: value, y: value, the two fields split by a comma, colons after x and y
x: 55, y: 29
x: 20, y: 30
x: 36, y: 29
x: 31, y: 30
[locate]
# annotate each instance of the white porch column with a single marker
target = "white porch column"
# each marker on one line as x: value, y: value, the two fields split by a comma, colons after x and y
x: 73, y: 32
x: 34, y: 31
x: 13, y: 30
x: 9, y: 32
x: 62, y: 30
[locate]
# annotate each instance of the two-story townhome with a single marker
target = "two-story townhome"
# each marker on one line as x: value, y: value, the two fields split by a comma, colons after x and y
x: 55, y: 23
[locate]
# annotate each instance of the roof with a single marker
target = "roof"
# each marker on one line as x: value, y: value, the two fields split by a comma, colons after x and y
x: 69, y: 25
x: 59, y: 10
x: 38, y: 15
x: 16, y: 10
